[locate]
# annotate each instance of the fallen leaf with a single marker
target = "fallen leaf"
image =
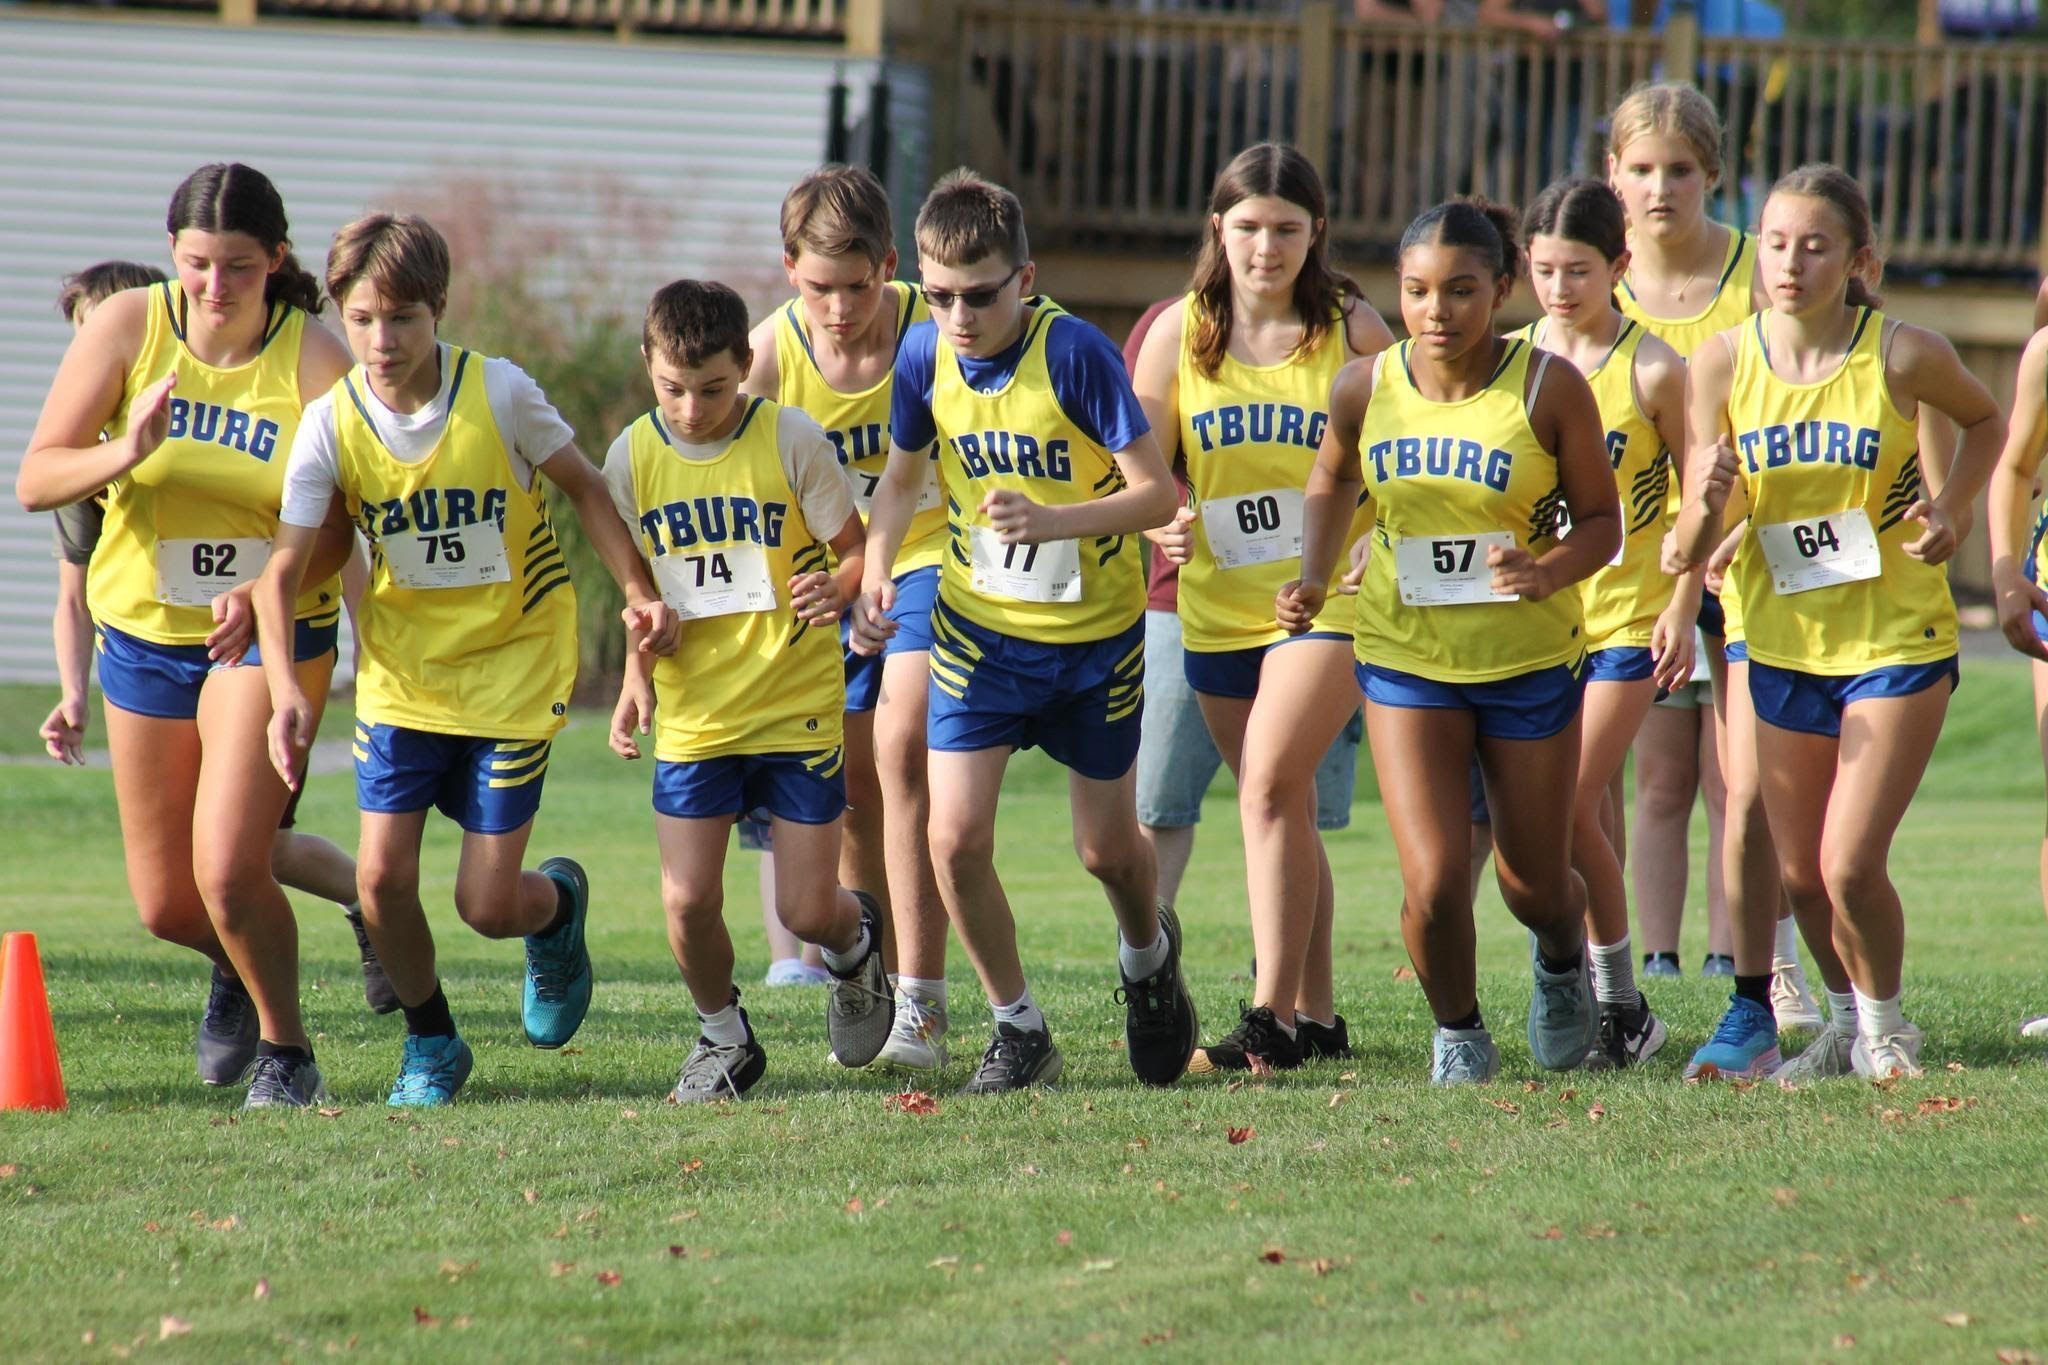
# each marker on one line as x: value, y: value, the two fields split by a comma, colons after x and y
x: 1338, y: 1098
x: 629, y: 1113
x: 570, y: 1052
x: 1944, y: 1104
x: 1558, y: 1123
x: 1233, y: 1087
x: 1404, y: 973
x: 1238, y: 1136
x: 1844, y: 1342
x: 1957, y: 1319
x: 1505, y: 1106
x: 227, y: 1224
x: 169, y: 1326
x: 1096, y: 1267
x: 455, y: 1270
x: 262, y: 1290
x: 943, y: 1263
x: 912, y: 1102
x: 155, y: 1227
x: 2012, y: 1355
x: 422, y: 1318
x: 855, y: 1205
x: 1597, y: 1231
x: 1321, y: 1266
x: 1893, y: 1116
x: 1531, y: 1087
x: 1553, y: 1233
x: 1596, y: 1113
x: 1273, y: 1256
x: 1567, y: 1096
x: 607, y: 1278
x: 2028, y: 1220
x: 330, y: 1113
x: 532, y: 1196
x: 1138, y: 1144
x: 1784, y: 1197
x: 1156, y: 1338
x: 695, y: 1163
x: 1957, y: 1066
x: 451, y: 1142
x: 1063, y: 1238
x: 1886, y: 1082
x: 560, y: 1268
x: 681, y: 1253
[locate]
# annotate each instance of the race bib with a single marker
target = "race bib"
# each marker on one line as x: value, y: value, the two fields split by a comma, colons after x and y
x: 1253, y: 528
x: 1821, y: 552
x: 463, y: 557
x: 722, y: 582
x: 866, y: 481
x: 1047, y: 572
x: 191, y: 573
x: 1447, y: 571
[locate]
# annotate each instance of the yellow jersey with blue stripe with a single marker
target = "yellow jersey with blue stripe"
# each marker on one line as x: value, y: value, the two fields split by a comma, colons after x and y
x: 198, y: 516
x: 1446, y: 480
x: 1623, y: 598
x: 724, y: 536
x: 1017, y: 436
x: 469, y: 623
x: 858, y: 423
x: 1830, y: 470
x: 1249, y: 434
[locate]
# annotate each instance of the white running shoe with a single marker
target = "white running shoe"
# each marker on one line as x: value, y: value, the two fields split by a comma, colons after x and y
x: 2035, y: 1028
x: 1791, y: 1001
x: 1825, y: 1058
x: 1895, y: 1054
x: 917, y: 1038
x: 794, y: 971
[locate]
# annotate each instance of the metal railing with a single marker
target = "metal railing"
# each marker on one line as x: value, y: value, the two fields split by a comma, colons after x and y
x: 1111, y: 125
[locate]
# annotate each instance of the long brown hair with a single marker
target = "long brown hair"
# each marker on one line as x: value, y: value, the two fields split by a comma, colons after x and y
x: 1841, y: 192
x: 1275, y: 170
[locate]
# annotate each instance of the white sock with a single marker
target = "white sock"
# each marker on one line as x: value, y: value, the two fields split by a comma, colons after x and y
x: 1876, y: 1018
x: 924, y: 991
x: 842, y: 963
x: 1785, y: 953
x: 1139, y: 963
x: 1614, y: 972
x: 1020, y: 1013
x: 1300, y: 1019
x: 1842, y: 1011
x: 895, y: 979
x: 724, y: 1027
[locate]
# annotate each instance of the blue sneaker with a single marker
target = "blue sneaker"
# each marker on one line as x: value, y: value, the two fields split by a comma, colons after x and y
x: 1660, y: 964
x: 1744, y: 1046
x: 1564, y: 1019
x: 558, y: 965
x: 1464, y: 1057
x: 430, y: 1072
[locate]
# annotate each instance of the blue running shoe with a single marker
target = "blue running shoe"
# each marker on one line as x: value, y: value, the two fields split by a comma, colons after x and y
x: 1744, y: 1046
x: 1464, y: 1057
x: 558, y: 965
x: 431, y: 1071
x: 1564, y: 1019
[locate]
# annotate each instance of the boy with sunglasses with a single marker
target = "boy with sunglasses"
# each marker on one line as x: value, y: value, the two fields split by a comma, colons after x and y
x: 1049, y: 471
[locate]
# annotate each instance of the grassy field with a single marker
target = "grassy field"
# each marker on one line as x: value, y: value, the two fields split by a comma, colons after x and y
x: 562, y: 1209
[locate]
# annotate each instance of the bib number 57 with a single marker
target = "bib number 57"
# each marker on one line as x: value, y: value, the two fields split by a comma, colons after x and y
x: 1452, y: 556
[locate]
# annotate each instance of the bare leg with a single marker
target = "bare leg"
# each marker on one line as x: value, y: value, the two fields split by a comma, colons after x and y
x: 693, y: 904
x: 965, y: 787
x: 917, y: 913
x: 388, y: 884
x: 1422, y: 758
x: 156, y: 774
x: 1667, y: 779
x: 309, y: 863
x: 862, y: 864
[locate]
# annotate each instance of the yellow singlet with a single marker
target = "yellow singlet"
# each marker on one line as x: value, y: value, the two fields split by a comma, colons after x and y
x: 858, y: 423
x: 198, y: 516
x: 1250, y: 436
x: 1734, y: 299
x: 1443, y: 476
x: 1828, y: 466
x: 1018, y: 437
x: 724, y: 537
x: 469, y: 624
x: 1623, y: 599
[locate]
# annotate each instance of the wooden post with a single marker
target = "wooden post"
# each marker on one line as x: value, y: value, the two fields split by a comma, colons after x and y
x: 1317, y: 49
x: 867, y: 28
x: 935, y: 44
x: 1927, y: 31
x: 1682, y: 46
x: 238, y: 13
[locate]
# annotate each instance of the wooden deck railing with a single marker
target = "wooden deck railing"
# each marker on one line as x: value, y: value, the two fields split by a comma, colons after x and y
x: 822, y: 19
x: 1112, y: 125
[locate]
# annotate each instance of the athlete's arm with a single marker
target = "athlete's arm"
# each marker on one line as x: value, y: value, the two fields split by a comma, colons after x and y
x: 1708, y: 471
x: 1921, y: 367
x: 66, y: 460
x: 1365, y: 332
x: 633, y: 715
x: 1566, y: 420
x: 63, y: 732
x: 1330, y: 499
x: 2041, y: 307
x: 1155, y: 378
x: 272, y: 596
x: 764, y: 376
x: 656, y: 627
x: 1147, y: 499
x: 2012, y: 500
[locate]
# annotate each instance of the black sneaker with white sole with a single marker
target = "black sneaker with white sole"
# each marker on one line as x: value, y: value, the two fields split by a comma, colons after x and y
x: 1324, y: 1042
x: 860, y: 1007
x: 716, y: 1072
x: 1258, y: 1034
x: 1160, y: 1027
x: 1016, y: 1059
x: 1629, y: 1036
x: 377, y: 992
x: 228, y: 1031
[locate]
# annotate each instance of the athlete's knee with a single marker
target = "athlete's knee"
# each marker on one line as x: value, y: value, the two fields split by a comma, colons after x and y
x: 174, y: 918
x: 960, y: 848
x: 811, y: 914
x: 1853, y: 876
x: 692, y: 902
x: 490, y: 906
x: 386, y: 880
x: 232, y: 882
x: 1268, y: 795
x: 1438, y: 895
x: 1532, y: 894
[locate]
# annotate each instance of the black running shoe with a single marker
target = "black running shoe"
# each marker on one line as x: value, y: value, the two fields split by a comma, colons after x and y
x: 227, y: 1031
x: 1017, y: 1059
x: 1258, y: 1034
x: 377, y: 992
x: 716, y: 1072
x: 284, y: 1083
x: 861, y: 1008
x: 1321, y: 1042
x: 1160, y: 1027
x: 1629, y: 1036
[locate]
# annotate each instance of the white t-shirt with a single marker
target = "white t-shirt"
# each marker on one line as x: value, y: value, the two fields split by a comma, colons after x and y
x: 532, y: 428
x: 810, y: 462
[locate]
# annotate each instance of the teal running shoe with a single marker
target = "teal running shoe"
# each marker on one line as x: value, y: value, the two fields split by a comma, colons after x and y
x: 1464, y: 1056
x: 558, y: 973
x: 430, y: 1072
x: 1744, y: 1046
x: 1564, y: 1019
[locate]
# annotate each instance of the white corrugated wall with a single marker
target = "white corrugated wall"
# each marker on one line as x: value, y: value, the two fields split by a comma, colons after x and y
x: 668, y: 158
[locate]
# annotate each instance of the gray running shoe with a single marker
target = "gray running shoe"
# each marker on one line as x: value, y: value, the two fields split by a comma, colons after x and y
x: 227, y: 1032
x: 716, y: 1072
x: 1016, y: 1059
x: 1464, y: 1056
x: 917, y: 1037
x: 285, y: 1083
x: 1564, y: 1021
x: 861, y: 1007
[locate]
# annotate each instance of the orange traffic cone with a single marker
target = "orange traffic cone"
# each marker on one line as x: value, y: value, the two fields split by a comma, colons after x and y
x: 29, y: 1075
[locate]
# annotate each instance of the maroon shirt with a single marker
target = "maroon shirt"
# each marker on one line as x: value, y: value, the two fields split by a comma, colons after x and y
x: 1162, y: 582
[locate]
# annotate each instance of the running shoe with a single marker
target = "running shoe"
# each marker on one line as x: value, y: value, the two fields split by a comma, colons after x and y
x: 859, y: 1013
x: 1016, y: 1059
x: 228, y: 1031
x: 1323, y: 1042
x: 1825, y: 1058
x: 716, y: 1072
x: 1744, y: 1046
x: 430, y: 1072
x: 1564, y: 1020
x: 1464, y: 1056
x: 1258, y: 1034
x: 1629, y: 1036
x: 1717, y: 964
x: 377, y: 992
x: 1661, y: 964
x: 1791, y: 1002
x: 1160, y: 1027
x: 2035, y: 1028
x: 558, y: 975
x: 1895, y: 1054
x: 284, y: 1083
x: 917, y: 1036
x: 794, y: 971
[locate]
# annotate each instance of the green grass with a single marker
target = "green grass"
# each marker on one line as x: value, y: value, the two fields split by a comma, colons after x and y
x: 1540, y: 1218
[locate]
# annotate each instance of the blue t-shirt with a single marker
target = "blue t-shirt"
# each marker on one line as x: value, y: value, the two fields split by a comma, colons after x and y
x: 1088, y: 379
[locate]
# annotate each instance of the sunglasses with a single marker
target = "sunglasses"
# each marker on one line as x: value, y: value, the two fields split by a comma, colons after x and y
x: 942, y: 301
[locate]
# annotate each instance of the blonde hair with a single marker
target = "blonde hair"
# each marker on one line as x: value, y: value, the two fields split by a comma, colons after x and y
x: 966, y: 218
x: 1673, y: 109
x: 836, y: 210
x: 401, y: 253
